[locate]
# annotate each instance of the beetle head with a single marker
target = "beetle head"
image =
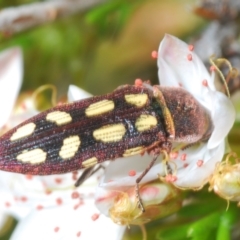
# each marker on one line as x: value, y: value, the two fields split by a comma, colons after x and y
x: 192, y: 121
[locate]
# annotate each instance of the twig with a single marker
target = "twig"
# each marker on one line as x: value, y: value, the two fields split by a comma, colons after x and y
x: 17, y: 19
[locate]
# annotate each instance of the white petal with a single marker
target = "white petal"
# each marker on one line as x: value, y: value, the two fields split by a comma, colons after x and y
x: 117, y: 172
x: 195, y: 176
x: 223, y: 116
x: 65, y: 223
x: 75, y: 93
x: 11, y: 73
x: 166, y: 74
x: 41, y: 191
x: 154, y: 193
x: 188, y: 74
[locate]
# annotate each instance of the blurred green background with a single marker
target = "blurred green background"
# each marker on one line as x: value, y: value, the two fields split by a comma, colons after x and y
x: 103, y: 47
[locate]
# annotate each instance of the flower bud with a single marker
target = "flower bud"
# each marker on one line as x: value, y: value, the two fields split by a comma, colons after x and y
x: 159, y: 200
x: 225, y: 180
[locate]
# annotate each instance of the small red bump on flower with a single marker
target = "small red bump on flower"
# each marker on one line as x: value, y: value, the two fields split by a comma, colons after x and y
x: 74, y: 176
x: 7, y: 204
x: 212, y: 68
x: 23, y: 106
x: 190, y: 47
x: 132, y: 173
x: 58, y: 180
x: 48, y: 191
x: 29, y: 177
x: 205, y: 83
x: 173, y: 155
x: 170, y: 178
x: 56, y: 229
x: 138, y: 82
x: 91, y: 194
x: 76, y: 206
x: 95, y: 216
x: 189, y: 57
x: 185, y: 165
x: 199, y: 163
x: 78, y: 234
x: 154, y: 54
x: 39, y: 207
x: 59, y: 201
x: 59, y: 103
x: 174, y: 178
x: 75, y: 195
x: 184, y: 156
x: 149, y: 191
x: 23, y: 199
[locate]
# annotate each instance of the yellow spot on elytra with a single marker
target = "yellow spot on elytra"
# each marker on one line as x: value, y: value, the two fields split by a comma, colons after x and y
x: 70, y: 147
x: 133, y: 151
x: 59, y: 117
x: 23, y: 131
x: 139, y: 100
x: 90, y: 162
x: 32, y: 156
x: 145, y: 122
x: 110, y: 133
x: 99, y: 108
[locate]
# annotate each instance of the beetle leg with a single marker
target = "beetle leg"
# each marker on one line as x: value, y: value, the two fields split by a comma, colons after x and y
x: 88, y: 172
x: 138, y: 180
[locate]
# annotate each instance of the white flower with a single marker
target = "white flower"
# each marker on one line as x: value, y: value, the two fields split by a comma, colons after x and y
x: 225, y: 179
x: 10, y: 81
x: 178, y: 66
x: 50, y: 208
x: 46, y: 207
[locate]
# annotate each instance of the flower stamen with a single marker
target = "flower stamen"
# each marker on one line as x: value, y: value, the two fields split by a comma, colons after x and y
x: 189, y: 57
x: 154, y: 54
x: 232, y: 71
x: 132, y: 173
x: 190, y: 47
x: 205, y: 83
x: 199, y: 163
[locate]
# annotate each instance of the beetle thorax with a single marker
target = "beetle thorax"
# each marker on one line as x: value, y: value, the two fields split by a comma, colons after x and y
x: 192, y: 122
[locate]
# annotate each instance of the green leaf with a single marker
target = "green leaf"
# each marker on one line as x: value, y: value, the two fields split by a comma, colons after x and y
x: 199, y: 209
x: 226, y: 221
x: 204, y: 226
x: 174, y: 233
